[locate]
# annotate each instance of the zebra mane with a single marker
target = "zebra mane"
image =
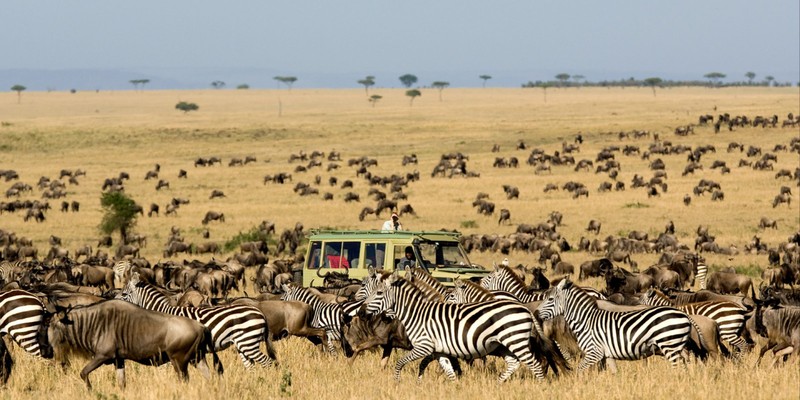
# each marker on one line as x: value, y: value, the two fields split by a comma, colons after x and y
x: 513, y: 276
x: 469, y: 285
x: 660, y: 295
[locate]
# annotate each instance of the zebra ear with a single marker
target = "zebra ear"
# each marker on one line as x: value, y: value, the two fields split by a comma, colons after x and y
x: 409, y: 274
x: 564, y: 284
x: 394, y: 277
x: 371, y: 272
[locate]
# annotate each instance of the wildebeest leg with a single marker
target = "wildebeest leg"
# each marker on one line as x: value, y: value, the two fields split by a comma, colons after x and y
x: 780, y: 351
x: 612, y: 365
x: 764, y: 349
x: 119, y: 363
x: 6, y: 364
x: 93, y: 364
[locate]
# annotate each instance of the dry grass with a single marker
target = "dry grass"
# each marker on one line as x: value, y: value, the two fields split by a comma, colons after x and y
x: 108, y: 132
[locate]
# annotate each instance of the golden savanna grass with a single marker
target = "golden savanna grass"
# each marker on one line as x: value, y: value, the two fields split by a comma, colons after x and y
x: 108, y: 132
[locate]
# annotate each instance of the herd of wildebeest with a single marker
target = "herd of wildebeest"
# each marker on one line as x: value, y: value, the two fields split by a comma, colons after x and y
x: 68, y: 282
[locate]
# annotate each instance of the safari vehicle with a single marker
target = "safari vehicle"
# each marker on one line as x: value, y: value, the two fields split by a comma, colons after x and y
x: 351, y: 253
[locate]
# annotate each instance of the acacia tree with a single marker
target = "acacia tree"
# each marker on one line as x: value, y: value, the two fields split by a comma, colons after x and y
x: 653, y: 82
x: 440, y: 85
x: 119, y: 214
x: 374, y: 99
x: 407, y: 80
x: 563, y: 78
x: 19, y: 89
x: 769, y: 79
x: 578, y: 79
x: 485, y: 78
x: 413, y: 93
x: 750, y: 76
x: 544, y: 87
x: 137, y: 82
x: 714, y: 77
x: 367, y: 82
x: 286, y: 80
x: 218, y: 84
x: 186, y: 107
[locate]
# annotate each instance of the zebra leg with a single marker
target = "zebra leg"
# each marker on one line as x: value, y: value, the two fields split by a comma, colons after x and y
x: 448, y: 368
x: 424, y: 364
x: 512, y: 364
x: 564, y: 353
x: 420, y: 350
x: 591, y: 358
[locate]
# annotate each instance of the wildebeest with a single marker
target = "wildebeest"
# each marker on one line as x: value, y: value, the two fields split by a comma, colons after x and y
x: 216, y: 193
x: 729, y: 283
x: 505, y: 215
x: 213, y: 216
x: 595, y: 268
x: 594, y: 226
x: 765, y: 223
x: 362, y: 333
x: 114, y: 331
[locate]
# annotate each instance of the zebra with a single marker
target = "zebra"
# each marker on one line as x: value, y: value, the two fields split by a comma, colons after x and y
x: 121, y: 269
x: 502, y: 278
x: 21, y: 315
x: 8, y: 270
x: 608, y: 335
x: 241, y: 325
x: 730, y: 318
x: 702, y: 272
x: 471, y: 292
x: 328, y: 316
x: 467, y: 331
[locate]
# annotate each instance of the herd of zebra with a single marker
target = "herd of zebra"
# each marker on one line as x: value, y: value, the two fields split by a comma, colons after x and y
x: 498, y: 316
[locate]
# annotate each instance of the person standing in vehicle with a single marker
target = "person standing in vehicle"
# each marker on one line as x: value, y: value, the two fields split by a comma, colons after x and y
x: 393, y: 224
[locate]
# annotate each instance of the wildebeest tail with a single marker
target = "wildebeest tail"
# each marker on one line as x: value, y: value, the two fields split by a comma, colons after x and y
x: 545, y: 349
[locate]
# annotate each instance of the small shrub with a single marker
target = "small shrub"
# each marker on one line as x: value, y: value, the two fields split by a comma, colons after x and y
x: 186, y: 107
x: 469, y: 224
x: 636, y: 205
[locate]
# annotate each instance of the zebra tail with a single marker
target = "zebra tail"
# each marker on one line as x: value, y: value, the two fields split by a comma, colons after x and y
x: 545, y: 349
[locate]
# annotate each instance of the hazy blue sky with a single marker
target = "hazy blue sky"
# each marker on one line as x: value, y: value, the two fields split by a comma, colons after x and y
x: 332, y: 43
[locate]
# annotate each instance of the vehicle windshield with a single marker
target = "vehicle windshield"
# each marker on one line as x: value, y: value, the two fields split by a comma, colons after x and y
x: 443, y: 254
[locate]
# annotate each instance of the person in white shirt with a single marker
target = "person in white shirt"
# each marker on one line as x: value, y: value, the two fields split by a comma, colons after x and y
x: 392, y: 224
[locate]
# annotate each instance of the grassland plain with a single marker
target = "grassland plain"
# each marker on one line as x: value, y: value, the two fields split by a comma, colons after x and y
x: 108, y: 132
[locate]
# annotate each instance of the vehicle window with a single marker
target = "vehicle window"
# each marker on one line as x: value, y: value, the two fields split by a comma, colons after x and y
x: 314, y: 253
x: 442, y: 253
x: 332, y: 256
x: 350, y: 254
x: 374, y: 254
x: 400, y: 254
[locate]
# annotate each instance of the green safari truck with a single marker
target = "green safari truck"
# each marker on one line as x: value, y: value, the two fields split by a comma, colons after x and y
x: 353, y: 252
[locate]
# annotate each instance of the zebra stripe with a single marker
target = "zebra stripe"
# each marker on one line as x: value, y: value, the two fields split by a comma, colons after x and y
x: 21, y: 315
x: 502, y: 278
x: 628, y: 335
x: 239, y: 325
x: 460, y: 330
x: 327, y: 316
x: 730, y: 318
x: 702, y: 272
x: 121, y: 269
x: 7, y: 269
x: 471, y: 292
